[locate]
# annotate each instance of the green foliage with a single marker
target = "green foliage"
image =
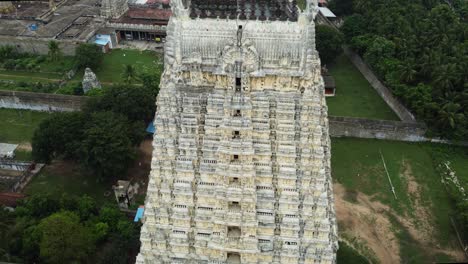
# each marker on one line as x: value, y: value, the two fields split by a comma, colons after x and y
x: 103, y: 137
x: 59, y: 135
x: 54, y: 51
x: 64, y: 239
x: 7, y: 52
x: 73, y: 230
x: 421, y: 55
x: 89, y: 55
x: 341, y: 7
x: 129, y: 74
x: 134, y: 102
x: 106, y: 148
x: 329, y: 43
x: 354, y: 26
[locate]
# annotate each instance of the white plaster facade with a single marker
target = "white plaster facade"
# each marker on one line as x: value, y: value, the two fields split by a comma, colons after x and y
x: 241, y: 162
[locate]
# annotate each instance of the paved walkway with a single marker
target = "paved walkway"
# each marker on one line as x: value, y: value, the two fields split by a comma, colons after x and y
x: 141, y: 45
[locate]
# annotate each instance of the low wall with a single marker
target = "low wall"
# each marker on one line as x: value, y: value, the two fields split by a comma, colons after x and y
x: 404, y: 114
x: 41, y: 101
x: 37, y: 45
x: 379, y: 129
x: 14, y: 165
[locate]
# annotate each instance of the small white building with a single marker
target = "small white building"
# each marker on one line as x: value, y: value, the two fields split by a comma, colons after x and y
x: 327, y: 13
x: 7, y: 151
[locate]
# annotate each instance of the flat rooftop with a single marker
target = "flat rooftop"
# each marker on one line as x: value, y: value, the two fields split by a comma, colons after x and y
x: 145, y: 16
x: 69, y: 17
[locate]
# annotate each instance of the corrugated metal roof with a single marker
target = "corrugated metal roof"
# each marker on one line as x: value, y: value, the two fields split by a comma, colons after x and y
x: 326, y: 12
x: 7, y: 150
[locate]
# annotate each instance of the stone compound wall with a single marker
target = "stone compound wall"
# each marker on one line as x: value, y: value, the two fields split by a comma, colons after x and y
x: 38, y: 45
x: 41, y: 101
x: 378, y: 129
x: 404, y: 114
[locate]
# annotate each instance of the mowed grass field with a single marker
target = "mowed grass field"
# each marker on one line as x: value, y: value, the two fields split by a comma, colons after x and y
x: 354, y: 95
x: 114, y: 61
x: 418, y: 219
x: 66, y: 177
x: 17, y: 126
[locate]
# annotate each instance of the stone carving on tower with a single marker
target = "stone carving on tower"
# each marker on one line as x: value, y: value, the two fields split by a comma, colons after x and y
x: 241, y: 162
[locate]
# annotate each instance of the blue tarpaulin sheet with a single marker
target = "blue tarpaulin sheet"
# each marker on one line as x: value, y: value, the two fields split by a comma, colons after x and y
x: 101, y: 42
x: 139, y: 214
x: 151, y: 129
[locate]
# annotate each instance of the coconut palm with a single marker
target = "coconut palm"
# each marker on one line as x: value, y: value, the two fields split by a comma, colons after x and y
x: 129, y: 73
x: 54, y: 51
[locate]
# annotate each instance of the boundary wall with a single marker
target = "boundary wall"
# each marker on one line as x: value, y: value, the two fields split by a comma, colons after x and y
x: 41, y: 101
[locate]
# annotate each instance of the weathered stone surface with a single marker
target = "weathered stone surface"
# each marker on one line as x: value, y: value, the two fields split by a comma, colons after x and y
x: 241, y: 162
x: 90, y: 81
x: 113, y: 8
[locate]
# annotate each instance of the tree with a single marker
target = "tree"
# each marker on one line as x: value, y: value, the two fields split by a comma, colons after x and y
x: 151, y: 77
x: 64, y: 239
x: 58, y: 135
x: 354, y: 26
x: 341, y: 7
x: 54, y: 51
x: 129, y: 73
x: 380, y: 48
x: 329, y: 42
x: 134, y: 102
x: 107, y: 148
x: 89, y: 55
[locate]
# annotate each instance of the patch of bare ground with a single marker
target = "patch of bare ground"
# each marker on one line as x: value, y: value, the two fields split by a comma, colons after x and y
x: 421, y: 226
x: 25, y: 146
x: 368, y: 221
x: 139, y: 171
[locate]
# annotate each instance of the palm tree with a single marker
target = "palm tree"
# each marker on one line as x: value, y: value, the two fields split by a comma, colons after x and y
x: 449, y: 115
x: 129, y: 73
x: 407, y: 71
x: 54, y: 51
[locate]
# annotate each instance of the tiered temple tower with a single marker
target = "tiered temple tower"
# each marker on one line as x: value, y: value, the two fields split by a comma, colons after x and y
x: 241, y: 162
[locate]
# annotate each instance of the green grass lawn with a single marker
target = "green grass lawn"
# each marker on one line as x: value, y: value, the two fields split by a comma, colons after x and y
x: 17, y: 126
x: 357, y: 164
x: 114, y: 61
x: 66, y: 177
x: 29, y: 76
x: 354, y: 95
x: 347, y: 255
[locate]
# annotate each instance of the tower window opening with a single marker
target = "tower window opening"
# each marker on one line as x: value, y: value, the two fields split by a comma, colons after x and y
x: 238, y: 84
x: 235, y: 157
x: 237, y: 113
x: 236, y: 134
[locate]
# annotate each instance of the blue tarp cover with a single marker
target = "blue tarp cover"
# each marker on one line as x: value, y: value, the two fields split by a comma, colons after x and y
x: 151, y: 129
x: 139, y: 214
x: 101, y: 42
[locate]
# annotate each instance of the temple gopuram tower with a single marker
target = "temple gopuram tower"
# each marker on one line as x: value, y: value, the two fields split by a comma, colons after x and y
x: 241, y: 162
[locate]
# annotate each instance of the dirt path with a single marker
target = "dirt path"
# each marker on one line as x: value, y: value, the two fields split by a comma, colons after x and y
x: 368, y: 221
x: 25, y: 146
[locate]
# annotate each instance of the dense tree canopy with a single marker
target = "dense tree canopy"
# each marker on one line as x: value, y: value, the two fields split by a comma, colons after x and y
x: 59, y: 135
x: 106, y: 148
x: 329, y: 42
x: 63, y: 239
x: 103, y: 137
x: 89, y: 55
x: 45, y: 229
x: 137, y: 103
x: 420, y: 50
